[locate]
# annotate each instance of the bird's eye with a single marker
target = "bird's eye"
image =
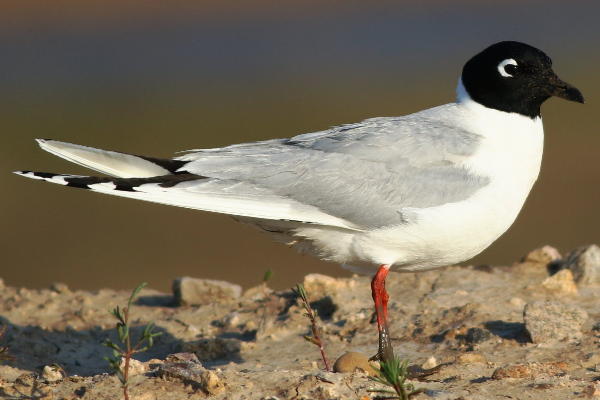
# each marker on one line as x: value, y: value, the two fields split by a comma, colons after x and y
x: 507, y: 68
x: 510, y: 69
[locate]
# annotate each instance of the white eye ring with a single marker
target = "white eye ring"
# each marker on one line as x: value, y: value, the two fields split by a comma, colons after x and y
x: 508, y: 61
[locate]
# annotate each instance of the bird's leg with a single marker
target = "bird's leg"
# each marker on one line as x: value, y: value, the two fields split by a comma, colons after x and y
x: 380, y: 297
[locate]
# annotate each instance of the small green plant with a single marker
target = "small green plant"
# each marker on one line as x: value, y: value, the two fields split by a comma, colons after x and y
x: 4, y: 356
x: 266, y: 278
x: 57, y: 368
x: 394, y: 373
x: 312, y: 316
x: 123, y: 332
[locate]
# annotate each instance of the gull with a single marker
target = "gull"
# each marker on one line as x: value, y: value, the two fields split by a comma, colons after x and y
x: 407, y: 193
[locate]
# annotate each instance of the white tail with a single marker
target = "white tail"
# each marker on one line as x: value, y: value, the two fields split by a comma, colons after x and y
x: 112, y: 163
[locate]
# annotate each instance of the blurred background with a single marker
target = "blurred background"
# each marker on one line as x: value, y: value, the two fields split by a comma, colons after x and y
x: 155, y: 77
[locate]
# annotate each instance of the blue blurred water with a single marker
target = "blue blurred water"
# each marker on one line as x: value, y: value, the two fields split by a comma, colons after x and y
x: 373, y: 39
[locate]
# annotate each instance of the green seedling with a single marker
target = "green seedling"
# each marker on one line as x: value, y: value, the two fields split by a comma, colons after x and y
x: 57, y: 368
x: 122, y: 315
x: 266, y: 278
x: 394, y: 373
x: 312, y: 316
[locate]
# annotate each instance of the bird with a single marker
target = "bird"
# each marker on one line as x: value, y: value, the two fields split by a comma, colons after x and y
x: 407, y: 193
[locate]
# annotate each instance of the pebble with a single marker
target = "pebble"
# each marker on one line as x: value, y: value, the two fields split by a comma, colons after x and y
x: 477, y: 335
x: 352, y: 360
x: 183, y: 357
x: 50, y: 375
x: 530, y: 370
x: 186, y: 371
x: 192, y: 371
x: 546, y: 322
x: 431, y: 362
x: 591, y: 390
x: 211, y: 383
x: 517, y: 301
x: 135, y: 367
x: 539, y: 263
x: 584, y: 263
x: 591, y: 361
x: 561, y: 282
x: 60, y: 288
x: 191, y: 291
x: 543, y: 255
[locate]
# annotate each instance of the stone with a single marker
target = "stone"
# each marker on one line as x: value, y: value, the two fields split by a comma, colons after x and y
x: 186, y: 368
x: 135, y: 367
x: 210, y: 383
x: 183, y: 371
x: 350, y: 361
x: 191, y: 291
x: 530, y: 370
x: 517, y: 302
x: 584, y: 263
x: 543, y: 255
x: 431, y: 362
x: 60, y: 288
x: 539, y: 263
x: 547, y: 322
x: 561, y: 282
x: 183, y: 357
x: 591, y: 361
x: 50, y: 374
x: 477, y: 335
x: 591, y: 390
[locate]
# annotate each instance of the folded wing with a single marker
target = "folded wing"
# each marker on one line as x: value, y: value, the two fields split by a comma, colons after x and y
x: 357, y: 177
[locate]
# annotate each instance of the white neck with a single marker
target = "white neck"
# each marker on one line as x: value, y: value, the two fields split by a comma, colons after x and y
x: 461, y: 93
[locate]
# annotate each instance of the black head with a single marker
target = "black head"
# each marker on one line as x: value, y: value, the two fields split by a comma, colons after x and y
x: 516, y: 78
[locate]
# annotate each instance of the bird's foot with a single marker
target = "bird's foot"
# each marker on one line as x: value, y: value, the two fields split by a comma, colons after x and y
x: 386, y: 351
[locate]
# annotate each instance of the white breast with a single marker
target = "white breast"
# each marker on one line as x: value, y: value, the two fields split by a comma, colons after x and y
x: 510, y: 156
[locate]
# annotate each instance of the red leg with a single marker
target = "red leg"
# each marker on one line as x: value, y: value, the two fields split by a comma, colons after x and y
x: 380, y: 297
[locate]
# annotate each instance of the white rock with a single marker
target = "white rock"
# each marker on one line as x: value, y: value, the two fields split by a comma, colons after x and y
x: 561, y: 282
x: 584, y: 263
x: 135, y: 367
x: 51, y: 375
x: 431, y: 362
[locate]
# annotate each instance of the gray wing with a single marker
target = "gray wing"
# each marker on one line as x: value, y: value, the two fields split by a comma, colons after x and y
x: 364, y: 173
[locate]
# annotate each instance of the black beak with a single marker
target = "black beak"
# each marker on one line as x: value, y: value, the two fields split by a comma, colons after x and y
x: 565, y: 91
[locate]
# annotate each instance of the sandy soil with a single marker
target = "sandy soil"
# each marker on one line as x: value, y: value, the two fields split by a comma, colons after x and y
x: 470, y: 319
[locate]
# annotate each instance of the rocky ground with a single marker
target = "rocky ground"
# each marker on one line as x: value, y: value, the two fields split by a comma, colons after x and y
x: 529, y: 331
